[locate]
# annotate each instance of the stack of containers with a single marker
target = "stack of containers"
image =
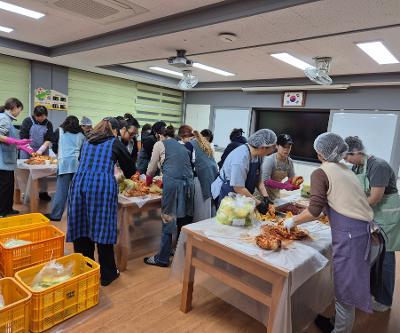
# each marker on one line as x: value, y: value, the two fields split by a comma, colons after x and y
x: 38, y: 310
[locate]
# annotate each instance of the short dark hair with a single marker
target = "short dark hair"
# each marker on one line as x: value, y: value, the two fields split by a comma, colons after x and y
x: 169, y: 131
x: 40, y: 110
x: 236, y: 132
x: 207, y: 134
x: 146, y: 127
x: 10, y: 104
x: 158, y: 127
x: 71, y: 124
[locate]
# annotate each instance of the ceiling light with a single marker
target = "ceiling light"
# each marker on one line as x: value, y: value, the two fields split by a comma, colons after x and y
x: 20, y: 10
x: 165, y: 70
x: 212, y: 69
x: 289, y: 59
x: 378, y: 52
x: 5, y: 29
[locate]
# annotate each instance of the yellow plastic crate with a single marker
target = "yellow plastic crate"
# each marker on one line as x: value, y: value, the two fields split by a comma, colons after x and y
x: 58, y: 303
x: 25, y: 221
x: 14, y: 317
x: 47, y: 243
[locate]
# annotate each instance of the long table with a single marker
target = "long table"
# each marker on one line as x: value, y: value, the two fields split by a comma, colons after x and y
x: 27, y: 182
x: 126, y: 208
x: 283, y: 289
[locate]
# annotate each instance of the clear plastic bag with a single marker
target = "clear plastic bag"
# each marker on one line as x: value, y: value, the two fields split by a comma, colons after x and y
x: 236, y: 210
x: 2, y: 302
x: 12, y: 242
x: 51, y: 274
x: 118, y: 174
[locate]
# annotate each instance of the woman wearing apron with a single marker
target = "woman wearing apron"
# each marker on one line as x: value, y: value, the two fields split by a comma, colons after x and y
x: 9, y: 144
x: 40, y: 130
x: 279, y: 166
x: 336, y: 188
x: 93, y: 197
x: 68, y: 142
x: 178, y: 191
x: 206, y: 171
x: 379, y: 183
x: 241, y: 170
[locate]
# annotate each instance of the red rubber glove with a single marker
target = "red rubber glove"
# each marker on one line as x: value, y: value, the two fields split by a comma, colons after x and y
x: 13, y: 141
x: 149, y: 180
x: 288, y: 186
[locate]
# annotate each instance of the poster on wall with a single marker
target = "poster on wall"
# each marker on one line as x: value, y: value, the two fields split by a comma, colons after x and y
x: 51, y: 99
x: 294, y: 99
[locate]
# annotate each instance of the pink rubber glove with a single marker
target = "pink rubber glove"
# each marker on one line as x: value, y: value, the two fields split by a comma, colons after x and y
x: 26, y: 148
x: 281, y: 186
x: 13, y: 141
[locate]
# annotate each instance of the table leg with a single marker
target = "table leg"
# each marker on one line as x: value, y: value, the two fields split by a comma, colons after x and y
x: 17, y: 196
x: 277, y: 286
x: 122, y: 248
x: 34, y: 196
x: 188, y: 278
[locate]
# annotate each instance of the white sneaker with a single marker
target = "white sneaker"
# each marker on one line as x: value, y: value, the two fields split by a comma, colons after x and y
x: 379, y: 307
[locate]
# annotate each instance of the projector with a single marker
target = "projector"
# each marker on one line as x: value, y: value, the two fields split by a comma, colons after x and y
x: 180, y: 61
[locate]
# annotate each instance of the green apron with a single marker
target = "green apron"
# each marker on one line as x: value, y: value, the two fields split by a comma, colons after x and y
x: 386, y: 212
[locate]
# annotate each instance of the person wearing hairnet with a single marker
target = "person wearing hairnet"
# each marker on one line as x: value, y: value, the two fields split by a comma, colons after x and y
x: 241, y: 172
x: 279, y: 166
x: 86, y: 125
x: 335, y: 187
x: 379, y: 183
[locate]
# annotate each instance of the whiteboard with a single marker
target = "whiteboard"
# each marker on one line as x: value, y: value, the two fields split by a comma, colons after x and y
x: 198, y: 116
x: 225, y: 120
x: 377, y: 131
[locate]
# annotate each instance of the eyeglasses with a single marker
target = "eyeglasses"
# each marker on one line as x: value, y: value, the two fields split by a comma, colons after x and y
x: 350, y: 154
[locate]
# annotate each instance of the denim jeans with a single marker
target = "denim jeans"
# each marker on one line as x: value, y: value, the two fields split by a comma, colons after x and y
x: 61, y: 196
x: 166, y: 238
x: 385, y: 289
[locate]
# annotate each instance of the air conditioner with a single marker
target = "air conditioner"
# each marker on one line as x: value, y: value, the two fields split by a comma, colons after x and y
x: 99, y: 11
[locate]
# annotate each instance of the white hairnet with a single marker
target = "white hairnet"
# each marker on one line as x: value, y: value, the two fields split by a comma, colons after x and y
x: 262, y: 138
x: 85, y: 121
x: 355, y: 144
x: 330, y: 146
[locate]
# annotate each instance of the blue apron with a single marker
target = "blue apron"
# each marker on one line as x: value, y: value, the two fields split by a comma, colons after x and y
x: 69, y: 148
x: 8, y: 153
x: 36, y: 134
x: 93, y: 196
x: 253, y: 177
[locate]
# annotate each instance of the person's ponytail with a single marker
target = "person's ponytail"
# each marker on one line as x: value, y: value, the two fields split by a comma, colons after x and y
x: 2, y: 109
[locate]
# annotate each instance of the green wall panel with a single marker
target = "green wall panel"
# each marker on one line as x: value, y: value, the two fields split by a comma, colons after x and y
x: 15, y: 82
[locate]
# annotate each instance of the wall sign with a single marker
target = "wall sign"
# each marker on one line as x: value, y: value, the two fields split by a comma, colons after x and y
x: 294, y: 98
x: 51, y: 99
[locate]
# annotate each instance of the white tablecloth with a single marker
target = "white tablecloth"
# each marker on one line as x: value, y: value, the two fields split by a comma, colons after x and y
x: 307, y: 291
x: 25, y: 173
x: 138, y: 201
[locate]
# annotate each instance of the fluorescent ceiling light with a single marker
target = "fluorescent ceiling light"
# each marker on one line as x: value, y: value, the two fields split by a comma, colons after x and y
x: 5, y: 29
x: 289, y: 59
x: 20, y: 10
x: 378, y: 52
x: 165, y: 70
x: 212, y: 69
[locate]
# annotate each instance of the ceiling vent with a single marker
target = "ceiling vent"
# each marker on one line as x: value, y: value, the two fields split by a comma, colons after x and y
x: 100, y: 11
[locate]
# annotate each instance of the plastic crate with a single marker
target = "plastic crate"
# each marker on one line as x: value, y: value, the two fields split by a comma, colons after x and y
x: 25, y: 221
x: 47, y: 243
x: 14, y: 317
x: 58, y: 303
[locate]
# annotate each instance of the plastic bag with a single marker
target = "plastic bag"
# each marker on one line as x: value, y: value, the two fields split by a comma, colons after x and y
x: 51, y: 274
x: 12, y: 242
x: 118, y: 174
x: 2, y: 302
x: 236, y: 210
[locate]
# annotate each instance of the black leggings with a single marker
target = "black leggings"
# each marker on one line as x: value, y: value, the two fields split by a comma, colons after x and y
x: 180, y: 223
x: 108, y: 268
x: 6, y: 192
